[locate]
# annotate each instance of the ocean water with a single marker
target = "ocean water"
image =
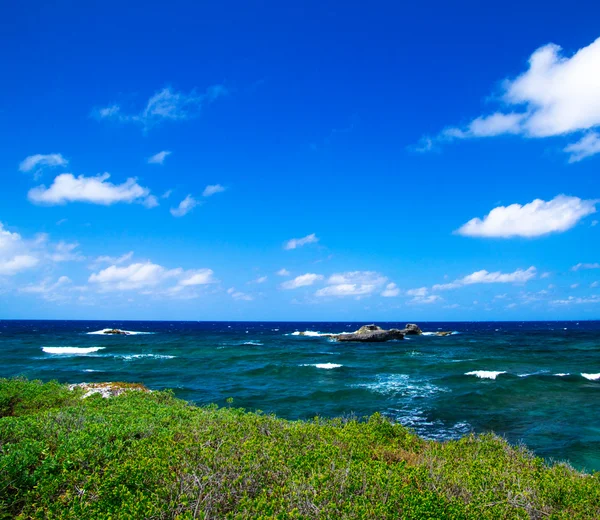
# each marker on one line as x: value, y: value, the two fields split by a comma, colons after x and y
x: 536, y: 383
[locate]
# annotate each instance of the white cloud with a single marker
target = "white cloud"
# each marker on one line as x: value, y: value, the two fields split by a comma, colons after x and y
x: 114, y: 259
x: 283, y: 272
x: 353, y: 283
x: 421, y: 291
x: 94, y: 190
x: 185, y: 206
x: 16, y: 255
x: 48, y: 290
x: 545, y: 275
x: 16, y: 264
x: 574, y: 286
x: 587, y: 146
x: 579, y: 266
x: 66, y: 252
x: 391, y: 290
x: 298, y: 242
x: 159, y: 158
x: 238, y: 295
x: 260, y: 279
x: 149, y: 277
x: 571, y: 300
x: 165, y: 105
x: 534, y: 219
x: 557, y: 95
x: 302, y: 281
x: 211, y: 189
x: 483, y: 276
x: 38, y: 161
x: 198, y: 277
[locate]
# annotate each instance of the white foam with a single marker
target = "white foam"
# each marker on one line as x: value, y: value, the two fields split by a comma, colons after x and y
x: 428, y: 334
x: 562, y: 374
x: 129, y: 357
x: 591, y: 377
x: 486, y: 374
x: 401, y: 384
x: 71, y: 350
x: 127, y: 332
x: 325, y: 366
x: 255, y: 343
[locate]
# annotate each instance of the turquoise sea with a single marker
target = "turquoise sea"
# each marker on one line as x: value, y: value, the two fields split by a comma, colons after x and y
x: 536, y: 383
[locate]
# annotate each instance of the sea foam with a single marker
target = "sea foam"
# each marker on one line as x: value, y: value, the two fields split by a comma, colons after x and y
x: 325, y: 366
x: 71, y: 350
x: 591, y: 377
x: 485, y: 374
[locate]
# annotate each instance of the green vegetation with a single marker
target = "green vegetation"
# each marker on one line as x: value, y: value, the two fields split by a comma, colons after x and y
x: 149, y: 455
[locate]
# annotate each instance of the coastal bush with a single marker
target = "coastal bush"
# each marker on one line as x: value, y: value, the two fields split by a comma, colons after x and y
x: 150, y: 455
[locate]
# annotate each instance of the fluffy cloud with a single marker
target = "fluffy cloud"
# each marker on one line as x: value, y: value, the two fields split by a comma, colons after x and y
x: 165, y: 105
x: 391, y: 290
x: 534, y: 219
x: 353, y: 283
x: 149, y: 277
x: 299, y: 242
x: 211, y: 189
x: 15, y: 254
x: 483, y: 276
x: 39, y: 161
x: 302, y: 281
x: 159, y: 158
x: 557, y: 95
x: 579, y: 266
x: 185, y: 206
x: 94, y: 190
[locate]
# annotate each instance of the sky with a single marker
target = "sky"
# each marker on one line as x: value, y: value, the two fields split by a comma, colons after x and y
x: 300, y: 161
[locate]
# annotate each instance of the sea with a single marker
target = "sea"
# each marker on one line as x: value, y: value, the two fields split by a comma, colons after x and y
x: 534, y: 383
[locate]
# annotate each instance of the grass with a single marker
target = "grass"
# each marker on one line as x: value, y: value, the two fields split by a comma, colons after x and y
x: 149, y: 455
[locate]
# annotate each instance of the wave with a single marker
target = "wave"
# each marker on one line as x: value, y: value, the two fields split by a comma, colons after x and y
x: 453, y: 333
x: 401, y: 384
x: 127, y: 333
x: 310, y: 333
x: 129, y: 357
x: 325, y: 366
x: 255, y: 343
x: 71, y: 350
x: 591, y: 377
x: 485, y: 374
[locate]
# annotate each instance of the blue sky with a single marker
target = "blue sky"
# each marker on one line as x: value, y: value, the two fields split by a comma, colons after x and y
x: 306, y: 161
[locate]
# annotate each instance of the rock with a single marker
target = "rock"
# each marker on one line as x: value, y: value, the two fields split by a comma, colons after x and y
x: 115, y: 331
x: 371, y: 333
x: 443, y: 333
x: 107, y: 390
x: 412, y: 329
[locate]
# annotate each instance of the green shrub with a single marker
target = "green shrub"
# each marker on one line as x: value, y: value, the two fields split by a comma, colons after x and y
x: 149, y: 455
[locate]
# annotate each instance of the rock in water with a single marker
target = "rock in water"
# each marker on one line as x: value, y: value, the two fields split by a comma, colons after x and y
x: 412, y: 329
x: 371, y: 333
x: 443, y: 333
x: 116, y: 331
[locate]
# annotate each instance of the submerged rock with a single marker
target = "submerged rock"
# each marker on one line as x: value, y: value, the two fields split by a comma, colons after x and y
x: 371, y: 333
x: 443, y: 333
x: 115, y: 331
x: 108, y: 389
x: 412, y: 329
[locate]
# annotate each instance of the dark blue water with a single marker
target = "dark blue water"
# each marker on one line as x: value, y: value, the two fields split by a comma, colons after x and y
x: 535, y: 382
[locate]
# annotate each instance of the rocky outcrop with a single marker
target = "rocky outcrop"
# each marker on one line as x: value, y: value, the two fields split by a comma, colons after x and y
x: 412, y: 329
x: 115, y: 331
x: 108, y: 389
x: 443, y: 333
x: 371, y: 334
